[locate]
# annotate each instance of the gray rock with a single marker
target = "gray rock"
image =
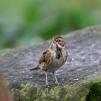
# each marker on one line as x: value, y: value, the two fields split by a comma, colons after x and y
x: 84, y: 59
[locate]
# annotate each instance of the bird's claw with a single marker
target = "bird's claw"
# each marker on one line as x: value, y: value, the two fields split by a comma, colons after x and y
x: 57, y: 83
x: 47, y: 86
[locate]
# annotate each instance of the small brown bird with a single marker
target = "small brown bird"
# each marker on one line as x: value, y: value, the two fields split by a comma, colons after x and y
x: 53, y: 57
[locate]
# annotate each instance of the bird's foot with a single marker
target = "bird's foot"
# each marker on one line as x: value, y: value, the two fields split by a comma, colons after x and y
x: 57, y: 83
x: 47, y: 86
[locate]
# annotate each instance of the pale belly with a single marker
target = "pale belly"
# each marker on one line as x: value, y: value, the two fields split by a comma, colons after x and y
x: 56, y: 63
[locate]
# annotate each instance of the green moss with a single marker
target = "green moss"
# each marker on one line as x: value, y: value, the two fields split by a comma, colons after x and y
x: 86, y: 90
x: 95, y: 92
x: 77, y: 92
x: 27, y: 92
x: 30, y: 93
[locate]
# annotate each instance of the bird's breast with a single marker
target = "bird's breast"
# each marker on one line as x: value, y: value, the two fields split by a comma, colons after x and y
x: 56, y: 63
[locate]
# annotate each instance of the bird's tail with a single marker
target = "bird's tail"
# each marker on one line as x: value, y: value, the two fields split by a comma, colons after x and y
x: 36, y: 68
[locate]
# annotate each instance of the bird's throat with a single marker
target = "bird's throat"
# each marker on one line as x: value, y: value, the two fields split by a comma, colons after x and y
x: 58, y: 53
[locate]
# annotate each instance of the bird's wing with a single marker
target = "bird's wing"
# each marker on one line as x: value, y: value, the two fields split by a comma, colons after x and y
x: 45, y: 57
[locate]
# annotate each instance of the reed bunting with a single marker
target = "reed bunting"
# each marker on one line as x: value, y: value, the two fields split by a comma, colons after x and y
x: 53, y: 57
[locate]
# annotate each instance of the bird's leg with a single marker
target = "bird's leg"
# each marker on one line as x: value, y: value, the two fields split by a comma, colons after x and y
x: 47, y: 85
x: 56, y: 80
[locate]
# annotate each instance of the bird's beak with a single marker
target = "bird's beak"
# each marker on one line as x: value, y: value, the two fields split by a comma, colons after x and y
x: 58, y: 45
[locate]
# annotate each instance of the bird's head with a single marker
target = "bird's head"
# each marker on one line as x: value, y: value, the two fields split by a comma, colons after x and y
x: 59, y: 41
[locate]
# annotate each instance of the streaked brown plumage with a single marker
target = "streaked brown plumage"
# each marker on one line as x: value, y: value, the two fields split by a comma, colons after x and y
x: 53, y: 57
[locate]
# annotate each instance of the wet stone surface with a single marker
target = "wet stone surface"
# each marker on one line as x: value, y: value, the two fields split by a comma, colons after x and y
x: 84, y: 59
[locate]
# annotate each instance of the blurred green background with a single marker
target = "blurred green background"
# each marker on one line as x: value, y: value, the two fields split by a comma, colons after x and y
x: 27, y: 22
